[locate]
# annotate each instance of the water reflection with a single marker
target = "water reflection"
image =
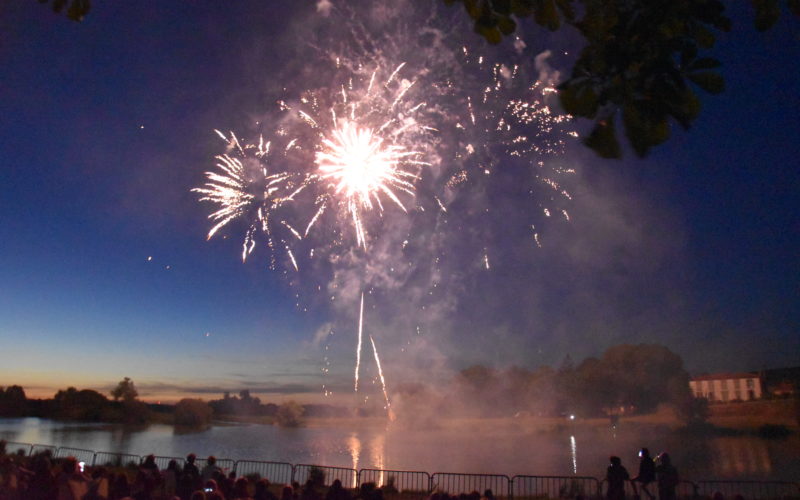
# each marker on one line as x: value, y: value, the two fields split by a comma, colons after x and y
x: 378, y: 456
x: 738, y: 457
x: 574, y: 452
x: 354, y: 444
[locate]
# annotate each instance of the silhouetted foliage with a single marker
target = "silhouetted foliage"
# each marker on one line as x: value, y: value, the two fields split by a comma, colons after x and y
x: 626, y: 379
x: 86, y: 405
x: 75, y: 9
x: 642, y: 61
x: 242, y: 405
x: 192, y: 412
x: 125, y: 390
x: 289, y: 414
x: 13, y: 402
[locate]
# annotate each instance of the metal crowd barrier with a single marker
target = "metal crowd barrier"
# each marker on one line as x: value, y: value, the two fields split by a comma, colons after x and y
x: 749, y: 490
x: 546, y: 487
x: 416, y: 483
x: 686, y: 490
x: 348, y: 477
x: 107, y: 459
x: 274, y: 472
x: 39, y: 448
x: 163, y: 462
x: 85, y: 456
x: 226, y: 464
x: 12, y: 448
x: 455, y: 483
x: 407, y: 483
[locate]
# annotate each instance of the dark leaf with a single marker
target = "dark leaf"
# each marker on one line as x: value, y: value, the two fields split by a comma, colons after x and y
x: 705, y: 38
x: 490, y: 33
x: 506, y: 25
x: 578, y: 99
x: 704, y: 63
x: 688, y: 109
x: 603, y: 141
x: 547, y: 15
x: 794, y: 6
x: 767, y: 13
x: 710, y: 81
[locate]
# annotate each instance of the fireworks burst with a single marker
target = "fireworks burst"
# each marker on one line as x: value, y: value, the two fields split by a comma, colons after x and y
x: 359, y: 166
x: 245, y: 189
x: 357, y: 149
x: 370, y: 138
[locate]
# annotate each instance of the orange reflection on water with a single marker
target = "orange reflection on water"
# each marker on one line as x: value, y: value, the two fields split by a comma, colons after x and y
x: 736, y: 456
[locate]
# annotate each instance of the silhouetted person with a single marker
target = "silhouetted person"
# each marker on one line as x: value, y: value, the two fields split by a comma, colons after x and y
x: 616, y: 475
x: 72, y: 483
x: 667, y: 477
x: 190, y: 477
x: 210, y: 487
x: 262, y: 491
x: 240, y: 490
x: 310, y: 491
x: 647, y: 472
x: 368, y: 491
x: 42, y: 485
x: 337, y: 492
x: 488, y: 494
x: 170, y: 477
x: 120, y: 488
x: 211, y: 469
x: 287, y: 493
x: 99, y: 486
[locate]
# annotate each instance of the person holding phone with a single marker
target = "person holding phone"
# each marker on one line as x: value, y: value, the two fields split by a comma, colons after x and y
x: 647, y: 472
x: 72, y: 483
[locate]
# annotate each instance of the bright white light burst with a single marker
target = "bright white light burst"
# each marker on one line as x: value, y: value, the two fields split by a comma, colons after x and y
x: 362, y: 168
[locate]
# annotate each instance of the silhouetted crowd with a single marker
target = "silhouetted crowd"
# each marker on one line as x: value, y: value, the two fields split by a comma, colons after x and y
x: 660, y: 471
x: 43, y: 477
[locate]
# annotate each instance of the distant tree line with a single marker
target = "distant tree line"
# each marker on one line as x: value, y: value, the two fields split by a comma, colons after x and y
x: 84, y: 405
x: 625, y: 380
x: 87, y: 405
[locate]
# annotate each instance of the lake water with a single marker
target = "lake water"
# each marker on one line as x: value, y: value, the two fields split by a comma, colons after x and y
x: 502, y: 447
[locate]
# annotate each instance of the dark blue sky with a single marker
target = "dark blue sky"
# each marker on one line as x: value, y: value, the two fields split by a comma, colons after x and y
x: 106, y: 125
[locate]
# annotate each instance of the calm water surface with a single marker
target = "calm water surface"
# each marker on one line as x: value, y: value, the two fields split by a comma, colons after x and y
x: 475, y: 448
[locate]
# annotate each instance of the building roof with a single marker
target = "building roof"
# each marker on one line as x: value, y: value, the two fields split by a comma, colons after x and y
x: 725, y: 376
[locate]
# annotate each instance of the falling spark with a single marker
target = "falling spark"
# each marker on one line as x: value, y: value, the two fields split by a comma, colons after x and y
x: 291, y: 256
x: 383, y: 380
x: 358, y: 346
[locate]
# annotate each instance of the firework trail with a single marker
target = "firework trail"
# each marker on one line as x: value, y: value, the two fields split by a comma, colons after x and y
x: 380, y: 375
x: 358, y: 346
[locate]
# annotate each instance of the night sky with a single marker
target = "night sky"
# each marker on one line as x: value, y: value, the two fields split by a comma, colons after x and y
x: 105, y: 270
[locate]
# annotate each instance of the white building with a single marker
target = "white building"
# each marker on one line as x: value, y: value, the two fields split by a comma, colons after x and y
x: 722, y: 387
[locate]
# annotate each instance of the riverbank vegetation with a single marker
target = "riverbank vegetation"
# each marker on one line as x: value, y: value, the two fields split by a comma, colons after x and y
x: 645, y: 384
